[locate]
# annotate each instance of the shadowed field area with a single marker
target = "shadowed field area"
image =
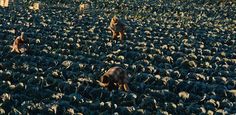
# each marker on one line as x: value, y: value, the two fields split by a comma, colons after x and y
x: 180, y: 56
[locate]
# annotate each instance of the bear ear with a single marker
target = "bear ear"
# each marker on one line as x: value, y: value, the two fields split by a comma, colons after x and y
x: 22, y: 33
x: 115, y: 19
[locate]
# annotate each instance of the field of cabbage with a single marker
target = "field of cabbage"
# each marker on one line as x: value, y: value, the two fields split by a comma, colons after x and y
x: 180, y: 56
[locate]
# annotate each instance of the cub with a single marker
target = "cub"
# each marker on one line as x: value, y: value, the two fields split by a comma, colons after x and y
x: 84, y: 6
x: 117, y: 27
x: 18, y: 42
